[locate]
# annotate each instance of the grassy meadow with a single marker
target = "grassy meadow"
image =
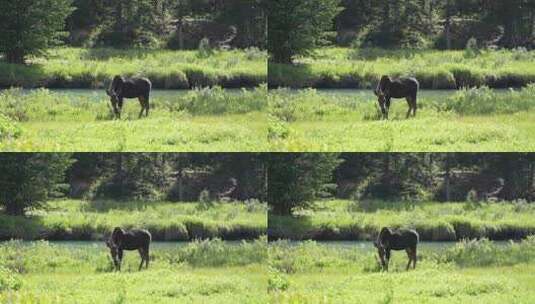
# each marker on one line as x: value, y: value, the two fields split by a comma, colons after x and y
x: 200, y: 120
x: 94, y: 220
x: 473, y: 120
x: 467, y: 272
x: 362, y: 220
x: 93, y: 68
x: 199, y: 272
x: 336, y: 67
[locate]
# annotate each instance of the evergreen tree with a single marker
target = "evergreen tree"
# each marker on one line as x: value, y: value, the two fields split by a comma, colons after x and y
x: 295, y: 26
x: 29, y: 27
x: 28, y: 178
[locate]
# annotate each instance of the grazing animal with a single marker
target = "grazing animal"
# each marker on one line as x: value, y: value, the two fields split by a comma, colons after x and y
x: 135, y: 239
x: 396, y: 240
x: 121, y: 88
x: 389, y: 88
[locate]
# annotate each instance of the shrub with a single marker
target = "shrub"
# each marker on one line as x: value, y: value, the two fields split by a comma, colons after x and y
x: 9, y: 280
x: 205, y: 49
x: 8, y: 128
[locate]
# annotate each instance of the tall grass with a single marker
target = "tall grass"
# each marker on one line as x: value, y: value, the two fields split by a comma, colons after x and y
x: 44, y: 105
x: 200, y: 272
x: 346, y: 220
x: 465, y: 120
x: 93, y: 68
x: 199, y: 120
x: 362, y: 68
x: 82, y: 220
x: 476, y: 272
x: 309, y: 104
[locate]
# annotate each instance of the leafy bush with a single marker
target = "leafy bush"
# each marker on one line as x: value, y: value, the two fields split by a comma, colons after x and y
x: 9, y: 280
x: 205, y: 49
x: 8, y: 128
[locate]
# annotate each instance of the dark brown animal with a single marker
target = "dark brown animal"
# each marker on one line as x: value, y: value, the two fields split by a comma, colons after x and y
x: 389, y: 240
x: 389, y: 88
x: 121, y: 88
x: 135, y: 239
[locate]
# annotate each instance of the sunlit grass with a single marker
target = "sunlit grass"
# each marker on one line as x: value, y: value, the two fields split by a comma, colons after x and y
x: 202, y: 272
x: 93, y: 68
x: 92, y: 220
x: 324, y: 273
x: 351, y: 220
x: 474, y: 120
x: 201, y: 120
x: 362, y: 68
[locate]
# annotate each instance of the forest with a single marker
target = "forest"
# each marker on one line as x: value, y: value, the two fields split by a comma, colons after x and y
x: 337, y: 196
x: 211, y: 195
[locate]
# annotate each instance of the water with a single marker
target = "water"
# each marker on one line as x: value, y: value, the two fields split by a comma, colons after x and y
x: 365, y: 95
x: 101, y: 244
x: 368, y: 245
x: 100, y: 94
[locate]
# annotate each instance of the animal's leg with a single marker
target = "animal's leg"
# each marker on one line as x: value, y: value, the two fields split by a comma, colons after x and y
x: 387, y: 259
x: 414, y: 258
x: 120, y: 104
x: 388, y: 100
x: 147, y: 257
x: 409, y: 103
x: 409, y: 255
x: 414, y: 105
x: 115, y: 110
x: 142, y: 104
x: 142, y: 255
x: 120, y: 256
x: 147, y: 105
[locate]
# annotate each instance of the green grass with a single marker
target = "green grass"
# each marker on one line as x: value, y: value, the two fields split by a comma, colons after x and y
x: 93, y: 68
x: 201, y: 120
x: 93, y: 220
x: 313, y: 273
x: 200, y: 272
x: 348, y: 220
x: 362, y: 68
x: 469, y: 120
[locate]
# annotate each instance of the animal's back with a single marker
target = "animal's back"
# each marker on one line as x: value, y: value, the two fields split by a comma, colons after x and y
x: 135, y: 87
x: 136, y: 238
x: 406, y: 238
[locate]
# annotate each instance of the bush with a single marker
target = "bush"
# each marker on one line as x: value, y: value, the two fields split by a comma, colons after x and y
x: 9, y: 280
x: 205, y: 49
x: 8, y: 128
x: 472, y: 49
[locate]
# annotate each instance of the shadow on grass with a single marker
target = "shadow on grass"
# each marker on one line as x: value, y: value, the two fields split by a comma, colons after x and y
x: 21, y: 227
x: 21, y: 75
x: 104, y: 54
x: 107, y: 205
x: 289, y: 227
x: 301, y: 75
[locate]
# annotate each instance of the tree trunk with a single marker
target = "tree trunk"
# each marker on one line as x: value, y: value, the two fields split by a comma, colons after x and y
x: 15, y: 56
x: 447, y: 25
x: 282, y: 209
x: 447, y: 178
x: 12, y: 208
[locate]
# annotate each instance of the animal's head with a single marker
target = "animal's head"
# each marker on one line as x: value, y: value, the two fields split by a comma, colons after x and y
x: 381, y: 91
x: 381, y: 252
x: 114, y: 250
x: 115, y: 89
